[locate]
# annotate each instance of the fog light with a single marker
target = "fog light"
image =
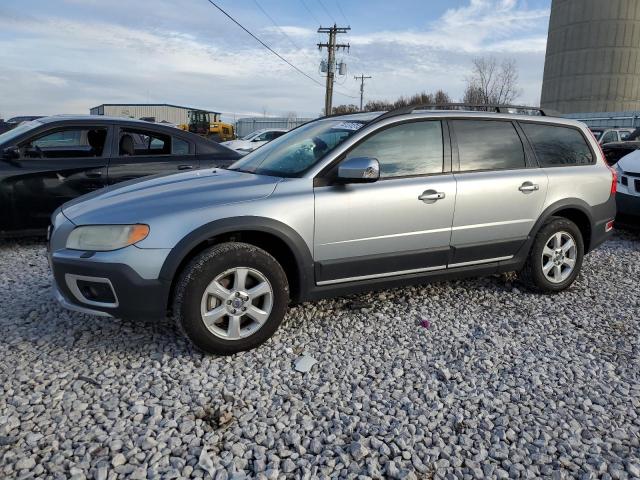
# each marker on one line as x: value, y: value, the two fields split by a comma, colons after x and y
x: 96, y: 291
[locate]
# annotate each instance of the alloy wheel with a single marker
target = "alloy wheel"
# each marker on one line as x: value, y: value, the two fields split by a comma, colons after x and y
x: 237, y: 303
x: 559, y: 257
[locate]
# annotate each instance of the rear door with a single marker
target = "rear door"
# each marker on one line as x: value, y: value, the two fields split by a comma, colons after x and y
x: 501, y: 191
x: 139, y: 152
x: 55, y: 166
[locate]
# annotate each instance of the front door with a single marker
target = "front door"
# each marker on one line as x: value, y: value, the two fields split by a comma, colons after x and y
x: 54, y: 167
x: 141, y: 152
x: 500, y: 192
x: 400, y: 224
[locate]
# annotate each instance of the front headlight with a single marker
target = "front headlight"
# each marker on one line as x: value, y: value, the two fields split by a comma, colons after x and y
x: 102, y: 238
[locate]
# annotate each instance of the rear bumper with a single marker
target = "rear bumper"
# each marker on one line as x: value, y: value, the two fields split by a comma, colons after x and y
x: 136, y: 296
x: 602, y: 215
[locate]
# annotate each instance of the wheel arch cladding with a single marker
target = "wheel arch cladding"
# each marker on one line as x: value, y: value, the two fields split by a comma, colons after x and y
x: 276, y: 238
x: 574, y: 209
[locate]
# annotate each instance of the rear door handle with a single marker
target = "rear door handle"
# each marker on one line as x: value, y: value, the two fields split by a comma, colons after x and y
x: 430, y: 196
x: 527, y: 187
x: 185, y: 167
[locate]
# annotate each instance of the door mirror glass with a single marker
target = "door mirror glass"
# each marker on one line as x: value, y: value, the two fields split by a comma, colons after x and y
x: 359, y: 170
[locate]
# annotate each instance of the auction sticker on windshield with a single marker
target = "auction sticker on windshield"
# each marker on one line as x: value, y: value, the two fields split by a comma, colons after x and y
x: 348, y: 126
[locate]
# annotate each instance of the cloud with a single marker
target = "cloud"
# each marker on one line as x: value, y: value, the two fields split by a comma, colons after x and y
x: 55, y: 64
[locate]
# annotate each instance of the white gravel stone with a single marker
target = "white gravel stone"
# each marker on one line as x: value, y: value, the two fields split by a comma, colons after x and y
x: 502, y: 382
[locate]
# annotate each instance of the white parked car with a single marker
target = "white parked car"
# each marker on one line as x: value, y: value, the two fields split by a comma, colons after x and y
x: 628, y: 196
x: 254, y: 140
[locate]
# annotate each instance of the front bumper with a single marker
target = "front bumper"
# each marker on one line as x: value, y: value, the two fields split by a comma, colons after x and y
x: 136, y: 296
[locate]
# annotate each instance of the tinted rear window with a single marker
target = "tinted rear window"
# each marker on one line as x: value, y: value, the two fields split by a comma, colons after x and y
x: 488, y: 145
x: 557, y: 146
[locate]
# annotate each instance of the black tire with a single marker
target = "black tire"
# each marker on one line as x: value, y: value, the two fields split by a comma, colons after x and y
x: 207, y: 266
x: 533, y: 274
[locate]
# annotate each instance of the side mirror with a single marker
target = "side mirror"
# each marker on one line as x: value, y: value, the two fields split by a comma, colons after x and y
x: 359, y: 170
x: 11, y: 153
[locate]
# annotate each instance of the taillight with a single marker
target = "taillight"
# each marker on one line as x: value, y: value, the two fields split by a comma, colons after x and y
x: 614, y: 173
x: 614, y: 180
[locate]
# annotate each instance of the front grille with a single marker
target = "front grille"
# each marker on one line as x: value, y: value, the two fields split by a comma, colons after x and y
x: 637, y: 186
x: 632, y: 174
x: 624, y: 181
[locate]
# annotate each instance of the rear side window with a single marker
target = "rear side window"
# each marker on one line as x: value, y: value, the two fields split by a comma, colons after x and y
x: 179, y: 147
x: 557, y: 146
x: 488, y: 145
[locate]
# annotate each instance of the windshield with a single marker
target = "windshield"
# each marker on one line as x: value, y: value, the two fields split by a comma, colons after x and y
x: 19, y: 130
x: 251, y: 135
x: 295, y: 152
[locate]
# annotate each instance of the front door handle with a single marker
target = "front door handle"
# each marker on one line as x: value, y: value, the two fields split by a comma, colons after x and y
x: 185, y: 167
x: 430, y: 196
x: 528, y: 187
x: 93, y: 174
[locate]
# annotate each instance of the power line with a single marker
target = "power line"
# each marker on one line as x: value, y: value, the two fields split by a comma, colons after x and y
x: 327, y: 11
x: 276, y: 25
x: 342, y: 12
x: 265, y: 45
x: 272, y: 50
x: 310, y: 12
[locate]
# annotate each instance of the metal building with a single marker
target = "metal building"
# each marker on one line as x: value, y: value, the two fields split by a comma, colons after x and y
x: 245, y: 126
x: 593, y: 56
x: 160, y: 111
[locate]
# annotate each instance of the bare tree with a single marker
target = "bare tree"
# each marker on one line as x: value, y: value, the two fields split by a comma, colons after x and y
x: 424, y: 98
x: 342, y: 109
x: 492, y: 83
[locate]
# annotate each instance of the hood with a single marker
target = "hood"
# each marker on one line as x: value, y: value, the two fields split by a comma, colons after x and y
x: 630, y: 162
x: 235, y: 144
x: 139, y: 201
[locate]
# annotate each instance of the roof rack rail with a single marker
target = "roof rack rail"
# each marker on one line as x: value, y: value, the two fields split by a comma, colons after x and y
x: 517, y: 109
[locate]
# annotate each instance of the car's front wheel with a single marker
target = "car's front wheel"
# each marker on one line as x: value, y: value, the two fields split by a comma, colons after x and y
x: 231, y: 297
x: 555, y: 257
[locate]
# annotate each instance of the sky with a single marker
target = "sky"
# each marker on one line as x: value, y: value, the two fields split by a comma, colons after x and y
x: 66, y: 56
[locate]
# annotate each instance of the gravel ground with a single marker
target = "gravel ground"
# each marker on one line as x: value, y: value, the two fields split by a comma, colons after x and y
x: 498, y: 382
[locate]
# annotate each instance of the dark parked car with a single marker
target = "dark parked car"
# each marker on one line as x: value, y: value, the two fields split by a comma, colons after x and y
x: 47, y: 162
x: 614, y: 151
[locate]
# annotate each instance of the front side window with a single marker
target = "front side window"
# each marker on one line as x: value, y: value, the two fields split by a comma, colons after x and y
x: 558, y: 146
x: 610, y: 136
x: 409, y: 149
x: 488, y: 145
x: 138, y: 142
x: 74, y: 142
x: 298, y: 150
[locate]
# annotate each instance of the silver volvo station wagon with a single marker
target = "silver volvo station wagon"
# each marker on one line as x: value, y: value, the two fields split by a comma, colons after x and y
x: 339, y: 205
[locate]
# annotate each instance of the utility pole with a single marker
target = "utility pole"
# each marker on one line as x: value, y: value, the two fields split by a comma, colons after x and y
x: 362, y: 78
x: 331, y: 47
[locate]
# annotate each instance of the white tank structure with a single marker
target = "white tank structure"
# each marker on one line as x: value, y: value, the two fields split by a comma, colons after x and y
x: 593, y: 56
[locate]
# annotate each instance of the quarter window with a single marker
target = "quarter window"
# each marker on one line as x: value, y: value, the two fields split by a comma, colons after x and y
x: 409, y: 149
x: 488, y: 145
x: 557, y: 146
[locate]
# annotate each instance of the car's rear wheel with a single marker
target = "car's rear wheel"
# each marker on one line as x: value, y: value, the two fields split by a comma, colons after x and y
x: 231, y: 297
x: 555, y: 257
